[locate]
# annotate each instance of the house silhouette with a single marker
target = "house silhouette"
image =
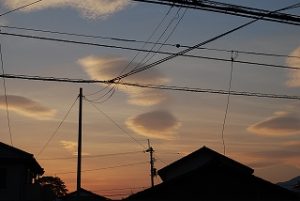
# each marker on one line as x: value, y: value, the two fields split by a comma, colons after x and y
x: 207, y: 175
x: 18, y: 172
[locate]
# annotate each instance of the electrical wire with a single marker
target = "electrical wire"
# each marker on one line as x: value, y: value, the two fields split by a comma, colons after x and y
x: 165, y: 41
x: 103, y: 168
x: 171, y: 54
x: 19, y: 8
x: 158, y: 87
x: 195, y: 46
x: 93, y: 156
x: 117, y: 125
x: 178, y: 45
x: 227, y: 103
x: 147, y: 41
x: 143, y: 62
x: 58, y: 127
x: 6, y: 99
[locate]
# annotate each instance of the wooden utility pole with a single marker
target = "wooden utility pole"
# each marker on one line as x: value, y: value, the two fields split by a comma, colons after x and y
x: 152, y: 169
x: 79, y: 144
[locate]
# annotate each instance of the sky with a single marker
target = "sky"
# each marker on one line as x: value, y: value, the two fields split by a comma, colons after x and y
x: 262, y: 133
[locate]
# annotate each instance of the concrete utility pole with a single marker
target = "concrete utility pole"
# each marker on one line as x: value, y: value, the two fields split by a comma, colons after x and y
x: 79, y: 144
x: 152, y: 169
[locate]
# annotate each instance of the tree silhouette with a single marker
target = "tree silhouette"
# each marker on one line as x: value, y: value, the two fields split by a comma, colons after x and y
x: 54, y: 184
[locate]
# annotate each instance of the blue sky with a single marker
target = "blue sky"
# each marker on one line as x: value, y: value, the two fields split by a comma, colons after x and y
x: 176, y: 122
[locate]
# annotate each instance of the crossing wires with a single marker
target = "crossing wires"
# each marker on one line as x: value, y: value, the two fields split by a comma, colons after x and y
x: 6, y: 98
x: 146, y: 67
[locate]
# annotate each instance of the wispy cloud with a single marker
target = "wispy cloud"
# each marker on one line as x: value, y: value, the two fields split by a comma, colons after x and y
x: 294, y: 75
x: 27, y: 107
x: 109, y: 67
x: 280, y: 124
x: 159, y: 124
x: 71, y: 147
x: 88, y: 8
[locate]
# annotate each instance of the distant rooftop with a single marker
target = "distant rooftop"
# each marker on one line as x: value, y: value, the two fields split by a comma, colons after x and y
x: 198, y: 159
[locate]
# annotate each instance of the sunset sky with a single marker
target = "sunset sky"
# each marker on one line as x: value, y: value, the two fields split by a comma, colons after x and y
x: 262, y: 133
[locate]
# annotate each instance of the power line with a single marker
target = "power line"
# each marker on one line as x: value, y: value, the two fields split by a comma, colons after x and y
x: 171, y: 54
x: 195, y: 46
x: 93, y: 156
x: 117, y: 125
x: 147, y: 42
x: 227, y: 103
x: 243, y: 11
x: 211, y: 91
x: 165, y: 41
x: 104, y: 168
x: 178, y: 45
x: 19, y: 8
x: 5, y: 97
x: 58, y: 127
x: 158, y: 87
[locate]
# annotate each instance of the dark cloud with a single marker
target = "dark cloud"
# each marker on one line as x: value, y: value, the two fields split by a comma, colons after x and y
x: 281, y: 124
x: 157, y: 124
x: 27, y: 107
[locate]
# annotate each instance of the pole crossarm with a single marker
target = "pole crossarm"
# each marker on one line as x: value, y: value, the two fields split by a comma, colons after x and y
x: 231, y: 9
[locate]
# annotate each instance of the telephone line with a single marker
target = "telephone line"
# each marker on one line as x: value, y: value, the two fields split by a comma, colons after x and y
x: 104, y: 168
x: 178, y: 45
x: 6, y: 98
x: 198, y: 45
x: 93, y: 156
x: 159, y: 87
x: 171, y: 54
x: 20, y: 8
x: 58, y: 127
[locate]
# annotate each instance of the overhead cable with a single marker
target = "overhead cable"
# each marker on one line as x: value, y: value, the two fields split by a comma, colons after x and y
x: 103, y: 168
x: 193, y: 47
x: 20, y: 8
x: 177, y: 45
x: 57, y: 128
x: 232, y: 9
x: 151, y: 86
x: 92, y: 156
x: 172, y: 54
x: 6, y: 99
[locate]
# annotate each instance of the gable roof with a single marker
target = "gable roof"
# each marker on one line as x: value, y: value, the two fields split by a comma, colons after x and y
x: 197, y: 159
x: 84, y: 195
x: 11, y: 154
x: 208, y: 175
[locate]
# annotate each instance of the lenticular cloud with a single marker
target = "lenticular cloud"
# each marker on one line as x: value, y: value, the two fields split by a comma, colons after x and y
x: 88, y: 8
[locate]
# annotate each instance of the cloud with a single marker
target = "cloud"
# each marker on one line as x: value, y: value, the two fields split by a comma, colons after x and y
x: 159, y: 124
x: 71, y: 146
x: 109, y: 67
x: 87, y: 8
x: 294, y: 75
x: 281, y: 124
x: 275, y: 157
x: 27, y: 107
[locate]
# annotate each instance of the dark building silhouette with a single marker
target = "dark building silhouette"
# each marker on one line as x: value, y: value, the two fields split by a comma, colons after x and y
x: 208, y: 175
x: 83, y: 195
x: 18, y: 172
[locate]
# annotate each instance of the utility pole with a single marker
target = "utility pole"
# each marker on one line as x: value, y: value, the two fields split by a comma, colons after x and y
x: 79, y: 144
x: 152, y: 169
